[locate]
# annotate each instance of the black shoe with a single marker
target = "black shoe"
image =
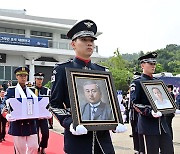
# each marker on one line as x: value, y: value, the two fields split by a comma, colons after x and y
x: 131, y: 135
x: 50, y: 127
x: 43, y: 151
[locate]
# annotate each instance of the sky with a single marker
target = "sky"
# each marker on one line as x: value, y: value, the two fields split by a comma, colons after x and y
x: 129, y: 25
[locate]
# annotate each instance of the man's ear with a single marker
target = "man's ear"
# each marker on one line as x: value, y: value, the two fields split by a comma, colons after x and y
x: 73, y: 44
x: 142, y: 65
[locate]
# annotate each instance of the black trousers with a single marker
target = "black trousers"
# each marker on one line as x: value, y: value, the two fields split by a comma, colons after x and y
x: 159, y: 143
x: 138, y: 139
x: 3, y: 122
x: 42, y: 126
x: 169, y: 118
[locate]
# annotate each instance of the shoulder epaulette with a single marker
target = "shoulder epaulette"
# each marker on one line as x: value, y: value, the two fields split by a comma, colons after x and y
x: 12, y: 87
x: 32, y: 87
x: 62, y: 63
x: 138, y: 77
x: 100, y: 65
x: 155, y: 78
x: 68, y: 61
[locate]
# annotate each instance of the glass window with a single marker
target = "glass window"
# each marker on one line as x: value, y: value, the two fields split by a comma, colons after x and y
x: 43, y: 33
x: 8, y: 73
x: 63, y: 36
x: 2, y: 29
x: 50, y: 44
x: 15, y: 31
x: 2, y: 72
x: 33, y: 33
x: 21, y: 31
x: 13, y: 75
x: 8, y: 30
x: 38, y: 33
x: 48, y: 34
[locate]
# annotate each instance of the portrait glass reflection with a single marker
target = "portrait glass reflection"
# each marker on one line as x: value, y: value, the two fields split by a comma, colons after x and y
x: 94, y: 99
x: 159, y: 96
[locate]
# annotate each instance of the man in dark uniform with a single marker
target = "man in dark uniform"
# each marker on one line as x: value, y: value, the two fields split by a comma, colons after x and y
x: 78, y: 141
x: 138, y: 139
x: 3, y: 120
x: 150, y: 124
x: 169, y: 117
x: 42, y: 123
x: 24, y: 132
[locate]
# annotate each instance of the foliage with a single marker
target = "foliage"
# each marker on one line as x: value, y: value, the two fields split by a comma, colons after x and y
x: 48, y: 85
x: 169, y: 58
x: 159, y: 68
x: 123, y: 66
x: 167, y: 61
x: 120, y: 71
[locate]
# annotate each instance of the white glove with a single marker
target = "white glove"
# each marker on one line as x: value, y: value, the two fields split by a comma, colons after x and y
x: 177, y: 111
x: 157, y: 114
x: 120, y: 128
x: 9, y: 118
x: 124, y: 117
x: 80, y: 130
x: 47, y: 117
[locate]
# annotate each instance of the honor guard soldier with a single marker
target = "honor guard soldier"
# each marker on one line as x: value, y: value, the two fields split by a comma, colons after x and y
x: 170, y: 116
x: 138, y: 140
x: 150, y: 124
x: 24, y: 132
x: 42, y: 124
x: 78, y: 141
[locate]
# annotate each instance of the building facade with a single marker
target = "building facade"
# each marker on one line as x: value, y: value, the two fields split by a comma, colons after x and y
x: 36, y: 42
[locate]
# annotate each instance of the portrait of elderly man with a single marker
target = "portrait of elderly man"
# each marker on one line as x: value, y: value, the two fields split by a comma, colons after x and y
x: 94, y: 108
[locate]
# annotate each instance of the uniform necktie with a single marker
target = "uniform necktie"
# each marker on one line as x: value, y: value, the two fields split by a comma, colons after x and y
x: 36, y: 92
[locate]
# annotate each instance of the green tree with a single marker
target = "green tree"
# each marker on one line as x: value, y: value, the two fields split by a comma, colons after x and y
x: 159, y: 68
x: 48, y: 85
x: 120, y: 71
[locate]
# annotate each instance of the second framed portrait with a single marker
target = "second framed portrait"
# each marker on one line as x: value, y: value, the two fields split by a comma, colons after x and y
x: 93, y: 99
x: 159, y: 96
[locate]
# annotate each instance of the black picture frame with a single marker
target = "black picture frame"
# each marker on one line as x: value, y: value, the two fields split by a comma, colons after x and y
x: 75, y: 80
x: 153, y: 89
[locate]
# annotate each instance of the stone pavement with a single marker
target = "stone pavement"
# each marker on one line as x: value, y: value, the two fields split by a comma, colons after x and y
x: 123, y: 143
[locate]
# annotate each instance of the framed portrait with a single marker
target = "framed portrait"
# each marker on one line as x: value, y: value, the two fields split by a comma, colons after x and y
x: 93, y: 99
x: 159, y: 97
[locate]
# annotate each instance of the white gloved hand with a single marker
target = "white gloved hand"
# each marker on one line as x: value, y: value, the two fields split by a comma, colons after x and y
x: 9, y: 118
x: 156, y: 114
x: 177, y: 111
x: 47, y: 117
x: 80, y: 130
x: 120, y: 128
x: 124, y: 117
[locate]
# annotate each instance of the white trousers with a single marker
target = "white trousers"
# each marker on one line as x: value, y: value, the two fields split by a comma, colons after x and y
x: 26, y: 144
